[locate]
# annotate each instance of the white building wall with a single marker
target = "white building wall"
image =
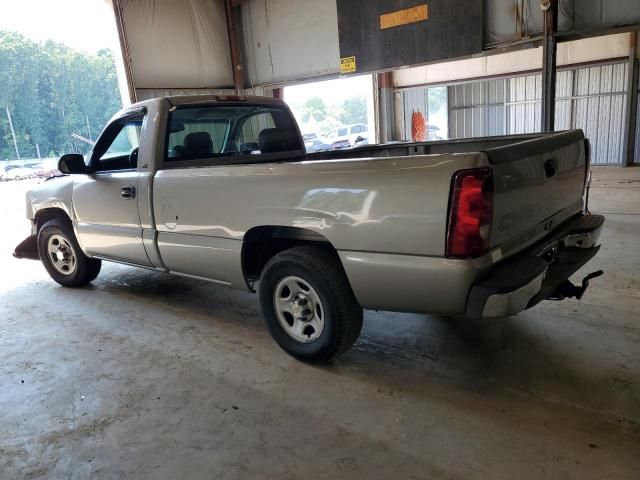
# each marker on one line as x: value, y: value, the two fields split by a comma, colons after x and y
x: 569, y: 53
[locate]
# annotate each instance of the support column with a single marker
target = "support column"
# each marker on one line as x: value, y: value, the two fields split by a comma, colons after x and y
x: 549, y: 54
x: 631, y: 110
x: 386, y: 111
x: 234, y: 46
x: 126, y: 68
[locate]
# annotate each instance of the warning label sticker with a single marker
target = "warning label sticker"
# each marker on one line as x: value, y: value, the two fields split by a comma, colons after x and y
x: 347, y: 64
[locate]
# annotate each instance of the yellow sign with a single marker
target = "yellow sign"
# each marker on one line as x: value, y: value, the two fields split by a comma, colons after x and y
x: 347, y: 64
x: 404, y: 17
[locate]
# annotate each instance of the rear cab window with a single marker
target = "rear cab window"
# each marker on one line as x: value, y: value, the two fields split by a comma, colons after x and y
x: 223, y: 133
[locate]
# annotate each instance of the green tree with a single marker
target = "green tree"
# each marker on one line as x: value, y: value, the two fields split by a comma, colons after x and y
x: 354, y: 110
x: 53, y: 91
x: 314, y: 108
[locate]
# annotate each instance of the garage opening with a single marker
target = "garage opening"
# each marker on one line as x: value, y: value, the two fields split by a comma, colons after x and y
x: 334, y: 114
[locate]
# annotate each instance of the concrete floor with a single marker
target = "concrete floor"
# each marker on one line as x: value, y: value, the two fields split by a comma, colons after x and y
x: 147, y: 376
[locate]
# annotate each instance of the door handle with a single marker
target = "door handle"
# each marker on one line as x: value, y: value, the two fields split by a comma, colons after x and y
x: 550, y: 167
x: 128, y: 192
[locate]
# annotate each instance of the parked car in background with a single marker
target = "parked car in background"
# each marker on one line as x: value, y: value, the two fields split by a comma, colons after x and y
x: 361, y: 142
x: 340, y: 144
x: 309, y: 136
x: 433, y: 133
x: 4, y: 169
x: 347, y: 136
x: 19, y: 173
x: 357, y: 133
x: 316, y: 145
x: 46, y: 172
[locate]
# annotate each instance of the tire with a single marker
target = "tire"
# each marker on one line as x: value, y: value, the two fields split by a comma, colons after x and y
x: 57, y: 235
x: 309, y: 275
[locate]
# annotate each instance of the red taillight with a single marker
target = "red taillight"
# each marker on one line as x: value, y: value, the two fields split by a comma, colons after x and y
x: 470, y: 213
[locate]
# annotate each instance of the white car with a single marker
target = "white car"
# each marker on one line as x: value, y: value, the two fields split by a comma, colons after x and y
x: 19, y: 173
x: 347, y: 136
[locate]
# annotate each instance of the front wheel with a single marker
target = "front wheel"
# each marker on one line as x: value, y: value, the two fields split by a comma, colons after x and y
x: 61, y: 255
x: 308, y: 304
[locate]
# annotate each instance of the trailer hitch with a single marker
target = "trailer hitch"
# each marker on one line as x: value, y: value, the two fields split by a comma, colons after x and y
x: 569, y: 290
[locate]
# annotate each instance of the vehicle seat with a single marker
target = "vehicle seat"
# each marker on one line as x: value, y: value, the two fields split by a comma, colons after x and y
x: 247, y: 148
x: 197, y: 145
x: 272, y: 140
x: 176, y: 152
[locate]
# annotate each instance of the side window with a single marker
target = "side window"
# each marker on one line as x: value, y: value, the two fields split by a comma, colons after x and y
x: 125, y: 142
x: 342, y: 132
x: 117, y: 150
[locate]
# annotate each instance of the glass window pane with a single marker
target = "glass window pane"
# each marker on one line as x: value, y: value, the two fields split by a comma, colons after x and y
x: 126, y: 141
x: 230, y: 130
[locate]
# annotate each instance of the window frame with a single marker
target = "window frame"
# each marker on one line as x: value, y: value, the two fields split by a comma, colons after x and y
x: 225, y: 158
x: 119, y: 122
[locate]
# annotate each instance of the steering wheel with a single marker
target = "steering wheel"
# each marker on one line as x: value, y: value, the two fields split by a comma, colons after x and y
x: 133, y: 158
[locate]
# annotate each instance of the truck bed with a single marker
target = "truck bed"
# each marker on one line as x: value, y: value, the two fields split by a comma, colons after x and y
x: 439, y: 147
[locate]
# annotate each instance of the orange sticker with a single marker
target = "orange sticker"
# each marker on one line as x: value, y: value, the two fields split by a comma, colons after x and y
x: 404, y: 17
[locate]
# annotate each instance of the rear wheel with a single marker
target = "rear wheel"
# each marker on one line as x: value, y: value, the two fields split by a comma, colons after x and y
x: 62, y: 257
x: 308, y: 304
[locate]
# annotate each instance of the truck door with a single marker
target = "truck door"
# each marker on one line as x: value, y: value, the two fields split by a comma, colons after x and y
x: 106, y: 200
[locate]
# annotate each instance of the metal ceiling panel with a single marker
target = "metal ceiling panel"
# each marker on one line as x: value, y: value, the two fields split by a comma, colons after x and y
x: 177, y: 45
x: 288, y: 40
x: 507, y: 20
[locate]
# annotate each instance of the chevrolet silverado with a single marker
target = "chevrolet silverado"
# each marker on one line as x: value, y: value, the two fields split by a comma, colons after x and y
x: 220, y: 188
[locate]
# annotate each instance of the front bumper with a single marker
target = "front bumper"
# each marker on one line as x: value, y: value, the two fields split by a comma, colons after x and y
x: 535, y: 275
x: 28, y: 248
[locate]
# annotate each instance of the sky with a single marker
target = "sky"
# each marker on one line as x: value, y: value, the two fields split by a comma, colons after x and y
x: 337, y: 90
x: 81, y: 24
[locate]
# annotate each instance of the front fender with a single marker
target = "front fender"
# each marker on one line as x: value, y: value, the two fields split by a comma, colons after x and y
x: 51, y: 194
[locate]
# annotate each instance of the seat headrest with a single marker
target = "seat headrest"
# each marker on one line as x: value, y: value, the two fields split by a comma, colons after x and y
x: 197, y: 144
x: 273, y: 140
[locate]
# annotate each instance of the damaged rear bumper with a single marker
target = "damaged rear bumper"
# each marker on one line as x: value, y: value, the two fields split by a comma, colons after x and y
x: 28, y: 248
x: 542, y: 272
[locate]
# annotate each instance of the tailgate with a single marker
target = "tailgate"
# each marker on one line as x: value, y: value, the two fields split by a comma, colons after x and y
x: 538, y: 184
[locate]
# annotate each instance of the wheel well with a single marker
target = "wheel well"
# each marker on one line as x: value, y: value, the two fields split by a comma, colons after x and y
x: 46, y: 214
x: 260, y: 244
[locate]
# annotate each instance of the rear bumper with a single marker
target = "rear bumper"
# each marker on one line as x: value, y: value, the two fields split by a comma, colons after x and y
x: 523, y: 281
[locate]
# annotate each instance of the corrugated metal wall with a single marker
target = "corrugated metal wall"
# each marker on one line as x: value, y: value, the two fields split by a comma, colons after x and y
x: 477, y: 109
x: 415, y: 100
x: 590, y: 98
x: 599, y: 101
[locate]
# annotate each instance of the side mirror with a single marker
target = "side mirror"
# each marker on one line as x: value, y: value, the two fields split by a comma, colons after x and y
x: 72, y: 163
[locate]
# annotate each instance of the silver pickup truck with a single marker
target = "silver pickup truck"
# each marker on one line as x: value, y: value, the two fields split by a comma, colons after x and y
x: 220, y: 188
